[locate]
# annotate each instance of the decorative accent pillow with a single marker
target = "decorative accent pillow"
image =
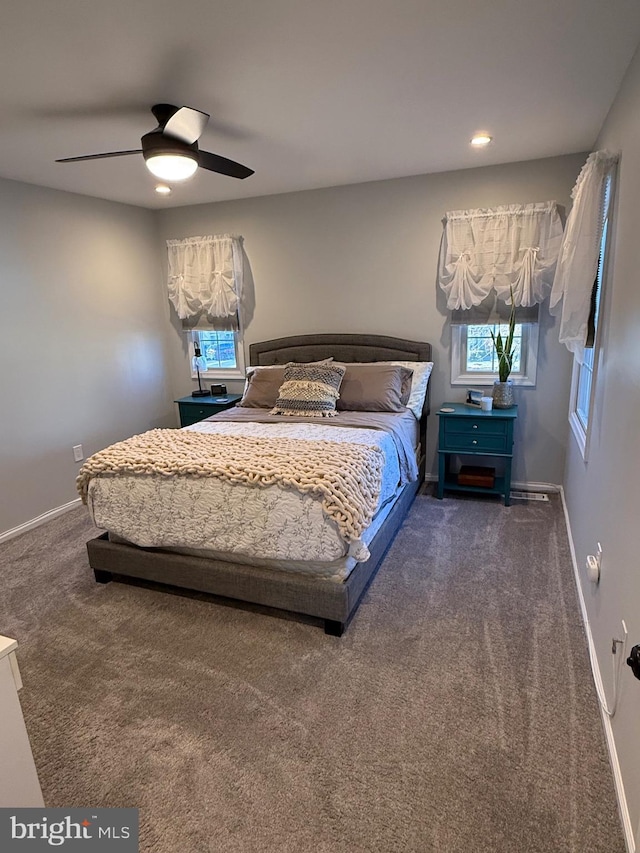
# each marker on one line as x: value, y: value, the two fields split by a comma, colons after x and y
x: 310, y: 390
x: 263, y: 384
x: 421, y: 373
x: 375, y: 387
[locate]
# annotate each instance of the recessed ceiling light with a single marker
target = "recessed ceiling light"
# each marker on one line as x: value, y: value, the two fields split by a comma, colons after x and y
x: 481, y: 139
x: 163, y: 189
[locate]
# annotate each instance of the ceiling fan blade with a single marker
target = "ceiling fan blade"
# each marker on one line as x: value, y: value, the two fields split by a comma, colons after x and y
x: 186, y: 124
x: 215, y: 163
x: 99, y: 156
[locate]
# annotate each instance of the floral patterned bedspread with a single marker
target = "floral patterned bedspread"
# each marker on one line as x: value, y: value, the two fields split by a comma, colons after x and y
x: 214, y: 515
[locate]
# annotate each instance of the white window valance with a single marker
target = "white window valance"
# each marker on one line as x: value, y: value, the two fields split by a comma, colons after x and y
x: 514, y: 246
x: 205, y: 276
x: 580, y: 251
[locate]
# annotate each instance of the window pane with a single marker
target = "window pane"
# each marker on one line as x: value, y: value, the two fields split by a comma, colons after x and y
x: 588, y: 358
x: 219, y: 349
x: 517, y: 354
x: 584, y: 394
x: 481, y: 354
x: 479, y: 331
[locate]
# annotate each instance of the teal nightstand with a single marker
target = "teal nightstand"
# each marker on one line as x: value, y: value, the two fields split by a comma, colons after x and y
x: 467, y: 431
x: 194, y: 409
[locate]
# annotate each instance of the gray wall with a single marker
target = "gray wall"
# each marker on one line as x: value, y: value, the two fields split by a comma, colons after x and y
x: 603, y: 495
x: 85, y: 279
x: 82, y: 339
x: 363, y: 258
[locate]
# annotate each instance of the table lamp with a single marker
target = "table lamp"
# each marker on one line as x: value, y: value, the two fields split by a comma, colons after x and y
x: 198, y: 363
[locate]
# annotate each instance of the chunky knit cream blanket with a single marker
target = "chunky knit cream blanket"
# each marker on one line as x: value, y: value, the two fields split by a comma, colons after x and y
x: 346, y: 477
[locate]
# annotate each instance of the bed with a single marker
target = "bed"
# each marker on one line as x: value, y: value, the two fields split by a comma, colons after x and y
x: 259, y: 582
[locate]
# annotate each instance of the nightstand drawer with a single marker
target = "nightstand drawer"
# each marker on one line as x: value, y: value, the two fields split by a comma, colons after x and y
x: 193, y: 414
x: 194, y: 409
x: 472, y: 442
x: 476, y: 426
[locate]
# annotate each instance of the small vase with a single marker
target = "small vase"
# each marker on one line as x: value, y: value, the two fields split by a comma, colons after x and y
x: 503, y: 394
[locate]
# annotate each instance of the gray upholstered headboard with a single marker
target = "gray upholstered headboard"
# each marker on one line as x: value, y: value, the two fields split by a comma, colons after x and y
x: 344, y: 347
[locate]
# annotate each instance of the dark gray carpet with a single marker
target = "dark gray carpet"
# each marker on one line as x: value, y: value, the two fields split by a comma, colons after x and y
x: 456, y: 714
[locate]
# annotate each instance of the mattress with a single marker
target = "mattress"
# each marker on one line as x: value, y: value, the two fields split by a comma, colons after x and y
x: 274, y: 526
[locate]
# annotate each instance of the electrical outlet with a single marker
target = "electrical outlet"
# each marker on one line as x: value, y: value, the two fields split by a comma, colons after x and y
x: 620, y: 641
x: 78, y: 455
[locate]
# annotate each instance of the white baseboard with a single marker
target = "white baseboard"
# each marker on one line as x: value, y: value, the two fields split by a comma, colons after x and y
x: 525, y: 486
x: 597, y: 677
x: 552, y: 488
x: 41, y: 519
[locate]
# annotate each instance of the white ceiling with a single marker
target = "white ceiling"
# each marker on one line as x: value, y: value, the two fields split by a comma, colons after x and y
x: 309, y: 93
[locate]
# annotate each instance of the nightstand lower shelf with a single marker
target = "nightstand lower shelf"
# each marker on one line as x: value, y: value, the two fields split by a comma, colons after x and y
x: 451, y: 483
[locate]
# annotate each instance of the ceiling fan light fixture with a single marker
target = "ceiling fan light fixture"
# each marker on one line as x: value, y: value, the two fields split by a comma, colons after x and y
x: 171, y: 150
x: 163, y: 189
x: 171, y: 167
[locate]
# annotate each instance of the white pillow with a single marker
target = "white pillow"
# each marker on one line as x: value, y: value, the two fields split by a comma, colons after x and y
x: 421, y: 373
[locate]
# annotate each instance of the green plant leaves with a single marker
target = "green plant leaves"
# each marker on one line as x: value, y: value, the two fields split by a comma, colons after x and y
x: 505, y: 349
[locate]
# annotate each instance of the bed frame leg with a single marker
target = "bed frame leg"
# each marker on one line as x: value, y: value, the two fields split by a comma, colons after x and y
x: 333, y: 628
x: 102, y: 576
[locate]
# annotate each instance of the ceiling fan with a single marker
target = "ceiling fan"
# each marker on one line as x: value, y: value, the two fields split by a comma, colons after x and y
x: 171, y: 149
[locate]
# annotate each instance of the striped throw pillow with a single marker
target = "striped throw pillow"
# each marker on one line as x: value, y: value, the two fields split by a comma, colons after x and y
x: 310, y: 390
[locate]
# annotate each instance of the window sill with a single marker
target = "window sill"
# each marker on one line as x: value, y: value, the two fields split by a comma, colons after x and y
x: 473, y: 379
x: 228, y: 373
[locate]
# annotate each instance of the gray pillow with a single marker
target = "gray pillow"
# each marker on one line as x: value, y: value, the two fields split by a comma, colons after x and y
x: 263, y: 384
x: 375, y: 387
x: 309, y: 390
x: 421, y: 373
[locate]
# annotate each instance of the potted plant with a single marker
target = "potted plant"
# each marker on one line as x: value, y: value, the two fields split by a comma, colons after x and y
x: 505, y: 349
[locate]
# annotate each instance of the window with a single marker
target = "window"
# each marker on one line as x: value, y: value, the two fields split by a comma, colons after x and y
x: 473, y: 357
x: 223, y: 351
x: 584, y: 374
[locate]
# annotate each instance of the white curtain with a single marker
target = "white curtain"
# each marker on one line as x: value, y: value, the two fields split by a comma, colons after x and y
x: 497, y: 248
x: 205, y: 276
x: 580, y: 251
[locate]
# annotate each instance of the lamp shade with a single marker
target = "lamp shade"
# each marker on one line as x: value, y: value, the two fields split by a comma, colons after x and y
x: 171, y: 167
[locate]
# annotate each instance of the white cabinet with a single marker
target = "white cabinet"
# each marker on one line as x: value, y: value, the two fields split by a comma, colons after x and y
x: 19, y: 785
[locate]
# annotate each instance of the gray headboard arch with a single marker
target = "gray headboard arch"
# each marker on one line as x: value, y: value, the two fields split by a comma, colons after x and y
x: 343, y: 347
